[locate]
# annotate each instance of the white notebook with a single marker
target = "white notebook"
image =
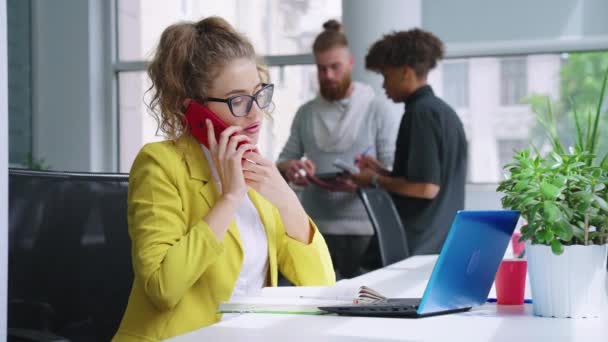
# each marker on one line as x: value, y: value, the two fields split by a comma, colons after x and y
x: 298, y: 300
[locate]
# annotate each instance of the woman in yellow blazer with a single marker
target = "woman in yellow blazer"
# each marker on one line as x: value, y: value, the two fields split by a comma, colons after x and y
x: 206, y: 223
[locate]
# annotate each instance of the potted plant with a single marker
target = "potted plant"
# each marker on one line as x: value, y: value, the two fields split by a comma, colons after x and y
x: 563, y: 195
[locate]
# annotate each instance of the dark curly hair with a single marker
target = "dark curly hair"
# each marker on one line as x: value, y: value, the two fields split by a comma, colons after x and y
x: 415, y: 48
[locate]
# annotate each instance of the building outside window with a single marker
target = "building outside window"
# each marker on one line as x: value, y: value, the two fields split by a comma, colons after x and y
x: 513, y: 81
x: 456, y: 83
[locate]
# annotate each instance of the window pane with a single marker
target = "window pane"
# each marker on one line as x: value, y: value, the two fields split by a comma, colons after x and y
x: 136, y: 125
x: 20, y: 85
x: 455, y: 81
x: 513, y: 79
x: 505, y: 92
x: 294, y: 86
x: 276, y: 27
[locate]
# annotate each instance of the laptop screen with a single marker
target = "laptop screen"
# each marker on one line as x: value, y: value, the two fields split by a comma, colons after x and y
x: 469, y: 259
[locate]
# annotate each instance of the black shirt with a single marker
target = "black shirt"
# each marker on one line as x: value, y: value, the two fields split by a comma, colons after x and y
x: 431, y: 148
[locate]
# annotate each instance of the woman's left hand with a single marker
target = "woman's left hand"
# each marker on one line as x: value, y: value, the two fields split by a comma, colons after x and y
x: 264, y: 177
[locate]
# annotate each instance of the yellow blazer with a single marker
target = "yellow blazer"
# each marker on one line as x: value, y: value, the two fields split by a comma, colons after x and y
x: 182, y: 272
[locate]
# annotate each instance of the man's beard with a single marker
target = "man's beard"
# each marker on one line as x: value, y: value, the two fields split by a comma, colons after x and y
x: 338, y: 92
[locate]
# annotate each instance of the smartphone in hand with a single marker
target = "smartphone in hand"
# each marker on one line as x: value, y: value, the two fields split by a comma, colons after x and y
x: 196, y: 114
x: 344, y: 166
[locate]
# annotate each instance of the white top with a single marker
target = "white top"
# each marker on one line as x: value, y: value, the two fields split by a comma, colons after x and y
x: 253, y: 239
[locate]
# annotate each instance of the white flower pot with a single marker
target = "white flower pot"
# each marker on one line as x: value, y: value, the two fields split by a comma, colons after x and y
x: 572, y: 285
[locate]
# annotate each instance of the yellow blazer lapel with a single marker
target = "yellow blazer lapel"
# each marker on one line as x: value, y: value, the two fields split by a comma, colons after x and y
x: 265, y: 212
x: 199, y: 169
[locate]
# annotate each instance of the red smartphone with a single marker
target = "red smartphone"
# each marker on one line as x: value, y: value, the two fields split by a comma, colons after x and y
x: 196, y: 114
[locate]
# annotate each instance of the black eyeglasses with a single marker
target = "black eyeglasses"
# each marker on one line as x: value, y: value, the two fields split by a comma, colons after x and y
x: 240, y: 105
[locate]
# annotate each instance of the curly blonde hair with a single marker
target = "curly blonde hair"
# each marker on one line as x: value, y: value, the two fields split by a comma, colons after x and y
x: 188, y: 57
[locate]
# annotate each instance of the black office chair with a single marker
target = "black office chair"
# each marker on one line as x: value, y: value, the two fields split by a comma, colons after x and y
x: 69, y: 255
x: 392, y: 241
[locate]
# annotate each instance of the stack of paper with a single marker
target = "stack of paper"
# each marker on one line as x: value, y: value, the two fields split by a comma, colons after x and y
x: 299, y: 300
x: 247, y: 304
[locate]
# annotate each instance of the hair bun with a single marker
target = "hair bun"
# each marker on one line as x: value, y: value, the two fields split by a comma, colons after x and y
x: 213, y: 24
x: 332, y: 25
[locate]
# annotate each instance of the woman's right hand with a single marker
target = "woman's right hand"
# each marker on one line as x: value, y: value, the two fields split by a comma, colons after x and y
x: 228, y: 158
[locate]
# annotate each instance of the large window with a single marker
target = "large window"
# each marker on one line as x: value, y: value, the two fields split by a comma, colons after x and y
x: 276, y: 27
x: 495, y: 96
x: 505, y: 93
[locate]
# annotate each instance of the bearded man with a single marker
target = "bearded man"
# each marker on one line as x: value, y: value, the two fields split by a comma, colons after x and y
x: 343, y: 121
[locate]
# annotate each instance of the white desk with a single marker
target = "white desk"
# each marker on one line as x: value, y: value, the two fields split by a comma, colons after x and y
x: 406, y: 279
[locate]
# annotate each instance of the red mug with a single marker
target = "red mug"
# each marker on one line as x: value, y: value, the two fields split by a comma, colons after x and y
x: 511, y: 282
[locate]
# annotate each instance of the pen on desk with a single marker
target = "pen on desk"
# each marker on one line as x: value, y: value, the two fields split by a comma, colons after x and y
x: 493, y: 300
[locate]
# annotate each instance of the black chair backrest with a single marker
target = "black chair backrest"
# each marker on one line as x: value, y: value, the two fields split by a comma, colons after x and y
x: 69, y: 253
x: 385, y: 219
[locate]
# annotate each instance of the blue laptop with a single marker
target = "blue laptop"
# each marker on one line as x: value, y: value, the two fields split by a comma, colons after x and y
x: 464, y: 272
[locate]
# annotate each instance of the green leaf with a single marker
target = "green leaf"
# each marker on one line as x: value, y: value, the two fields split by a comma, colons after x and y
x: 578, y: 232
x: 604, y: 163
x: 588, y: 145
x: 556, y: 247
x: 557, y: 158
x: 527, y: 203
x: 597, y: 113
x: 601, y: 202
x: 583, y: 196
x: 583, y: 206
x: 560, y: 180
x: 521, y: 186
x: 579, y: 130
x: 547, y: 235
x: 551, y: 212
x: 564, y: 230
x: 550, y: 191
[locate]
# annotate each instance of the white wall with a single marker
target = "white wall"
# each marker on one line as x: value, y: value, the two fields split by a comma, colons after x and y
x: 72, y: 121
x: 3, y: 170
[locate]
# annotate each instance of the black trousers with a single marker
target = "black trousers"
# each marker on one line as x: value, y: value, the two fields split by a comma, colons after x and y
x: 347, y: 252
